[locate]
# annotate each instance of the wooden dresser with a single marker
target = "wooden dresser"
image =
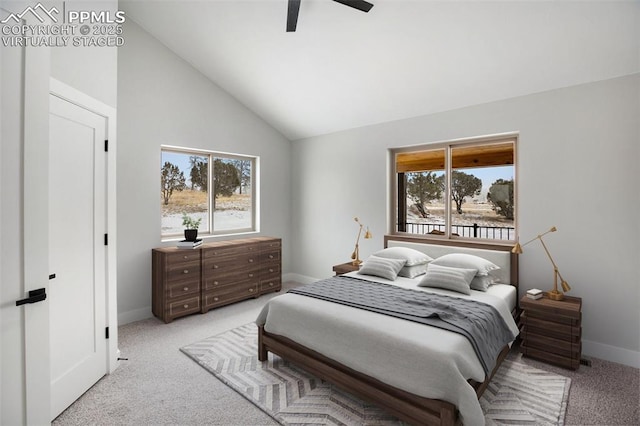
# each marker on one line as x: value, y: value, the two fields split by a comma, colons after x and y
x: 186, y: 281
x: 551, y: 330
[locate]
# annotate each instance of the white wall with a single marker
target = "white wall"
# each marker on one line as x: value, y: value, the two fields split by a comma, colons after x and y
x: 577, y: 169
x: 91, y: 70
x: 163, y: 100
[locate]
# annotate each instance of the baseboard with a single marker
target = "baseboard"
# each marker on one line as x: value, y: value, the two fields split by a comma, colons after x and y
x: 302, y: 279
x: 135, y: 315
x: 611, y: 353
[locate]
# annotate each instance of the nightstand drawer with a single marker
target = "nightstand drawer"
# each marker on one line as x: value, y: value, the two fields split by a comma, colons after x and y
x: 569, y: 349
x: 563, y: 361
x: 536, y: 325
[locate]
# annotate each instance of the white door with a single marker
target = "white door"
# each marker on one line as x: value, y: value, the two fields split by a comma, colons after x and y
x: 77, y: 251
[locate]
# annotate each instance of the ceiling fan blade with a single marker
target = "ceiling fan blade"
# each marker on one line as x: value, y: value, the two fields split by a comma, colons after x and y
x: 357, y: 4
x: 292, y: 15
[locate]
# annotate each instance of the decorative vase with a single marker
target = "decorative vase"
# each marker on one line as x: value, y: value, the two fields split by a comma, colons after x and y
x: 190, y: 234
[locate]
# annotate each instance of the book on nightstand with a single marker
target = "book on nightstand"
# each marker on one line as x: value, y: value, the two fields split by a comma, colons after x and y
x: 184, y: 244
x: 534, y: 293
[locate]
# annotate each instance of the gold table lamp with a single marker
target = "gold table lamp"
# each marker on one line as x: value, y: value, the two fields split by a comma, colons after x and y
x: 355, y: 256
x: 554, y: 294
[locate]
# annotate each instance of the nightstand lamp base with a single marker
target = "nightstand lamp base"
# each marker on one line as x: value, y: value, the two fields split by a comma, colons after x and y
x: 555, y: 295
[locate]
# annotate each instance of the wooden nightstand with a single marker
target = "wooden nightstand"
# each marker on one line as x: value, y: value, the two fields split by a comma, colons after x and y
x: 551, y: 330
x: 343, y: 268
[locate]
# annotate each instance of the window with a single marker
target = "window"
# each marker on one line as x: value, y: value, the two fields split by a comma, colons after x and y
x: 219, y: 189
x: 457, y: 189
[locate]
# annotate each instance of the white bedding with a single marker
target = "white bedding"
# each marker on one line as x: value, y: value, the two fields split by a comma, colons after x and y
x: 423, y: 360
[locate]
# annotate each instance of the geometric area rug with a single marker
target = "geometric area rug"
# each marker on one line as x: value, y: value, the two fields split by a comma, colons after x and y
x: 517, y: 395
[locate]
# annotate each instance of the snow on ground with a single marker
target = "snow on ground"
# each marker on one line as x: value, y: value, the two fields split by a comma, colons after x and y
x: 223, y: 219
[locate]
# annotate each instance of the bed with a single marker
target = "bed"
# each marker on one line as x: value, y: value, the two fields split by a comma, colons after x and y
x: 421, y: 374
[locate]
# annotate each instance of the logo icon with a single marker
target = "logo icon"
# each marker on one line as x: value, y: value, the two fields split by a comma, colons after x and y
x: 34, y: 11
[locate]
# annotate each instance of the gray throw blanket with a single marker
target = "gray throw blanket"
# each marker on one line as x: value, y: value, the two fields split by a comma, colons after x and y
x: 480, y: 323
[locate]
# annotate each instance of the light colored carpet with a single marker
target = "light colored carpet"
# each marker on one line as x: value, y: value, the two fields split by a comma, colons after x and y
x: 159, y: 385
x: 518, y: 394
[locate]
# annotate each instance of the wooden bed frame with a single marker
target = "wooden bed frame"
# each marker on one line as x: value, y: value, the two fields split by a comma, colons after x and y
x: 408, y: 407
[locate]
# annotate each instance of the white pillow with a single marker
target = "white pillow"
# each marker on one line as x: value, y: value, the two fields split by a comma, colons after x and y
x: 455, y: 279
x: 482, y: 282
x: 382, y: 267
x: 413, y: 257
x: 413, y: 271
x: 468, y: 261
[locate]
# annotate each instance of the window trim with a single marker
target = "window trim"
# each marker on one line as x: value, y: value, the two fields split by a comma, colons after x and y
x: 448, y: 145
x: 254, y: 182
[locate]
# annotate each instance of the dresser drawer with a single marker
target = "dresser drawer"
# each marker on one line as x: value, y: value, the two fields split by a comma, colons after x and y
x: 270, y: 245
x: 184, y: 272
x: 270, y: 271
x: 273, y: 284
x: 184, y: 306
x: 230, y: 250
x: 229, y: 294
x: 183, y: 256
x: 270, y: 256
x: 231, y: 265
x: 182, y: 289
x: 242, y: 278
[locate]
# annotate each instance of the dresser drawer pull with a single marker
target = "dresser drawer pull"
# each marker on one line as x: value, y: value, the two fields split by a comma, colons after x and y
x: 270, y: 284
x: 250, y: 260
x: 250, y: 290
x: 250, y: 275
x: 186, y: 289
x: 186, y: 306
x: 215, y: 266
x: 271, y: 256
x: 215, y: 299
x: 185, y: 257
x: 216, y: 283
x: 270, y: 269
x: 186, y: 271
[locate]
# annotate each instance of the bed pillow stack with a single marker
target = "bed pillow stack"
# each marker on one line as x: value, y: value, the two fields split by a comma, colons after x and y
x: 415, y: 261
x: 482, y: 278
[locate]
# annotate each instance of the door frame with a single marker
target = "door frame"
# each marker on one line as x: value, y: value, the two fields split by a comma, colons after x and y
x: 68, y: 93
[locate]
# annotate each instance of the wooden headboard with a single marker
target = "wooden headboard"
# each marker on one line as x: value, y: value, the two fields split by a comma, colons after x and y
x: 497, y: 253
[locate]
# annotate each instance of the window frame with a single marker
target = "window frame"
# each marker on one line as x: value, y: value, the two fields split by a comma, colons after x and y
x: 448, y: 146
x: 212, y: 155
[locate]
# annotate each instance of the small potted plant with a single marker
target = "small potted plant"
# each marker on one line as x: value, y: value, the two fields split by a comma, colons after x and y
x: 190, y: 227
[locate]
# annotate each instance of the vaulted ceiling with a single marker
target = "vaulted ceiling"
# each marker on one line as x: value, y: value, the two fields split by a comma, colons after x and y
x: 343, y: 68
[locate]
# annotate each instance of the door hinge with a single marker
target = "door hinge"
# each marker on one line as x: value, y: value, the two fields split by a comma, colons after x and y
x: 106, y: 332
x: 106, y: 145
x: 106, y: 239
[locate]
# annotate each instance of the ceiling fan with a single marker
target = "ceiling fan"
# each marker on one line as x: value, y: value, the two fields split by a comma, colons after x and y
x: 294, y: 7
